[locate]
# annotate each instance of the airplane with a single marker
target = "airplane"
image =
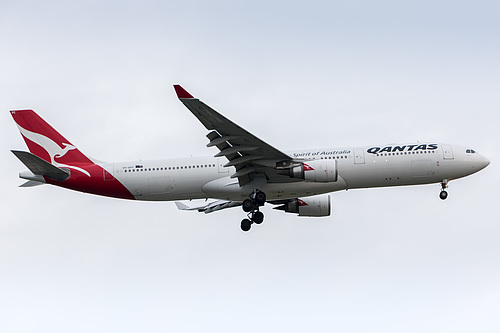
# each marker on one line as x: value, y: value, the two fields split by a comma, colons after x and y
x: 245, y: 172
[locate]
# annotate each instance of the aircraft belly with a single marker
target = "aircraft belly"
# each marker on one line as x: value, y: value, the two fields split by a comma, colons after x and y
x: 229, y: 189
x: 171, y: 188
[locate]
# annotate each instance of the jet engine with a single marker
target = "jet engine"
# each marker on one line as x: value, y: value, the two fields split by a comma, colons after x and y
x: 323, y: 171
x: 314, y: 206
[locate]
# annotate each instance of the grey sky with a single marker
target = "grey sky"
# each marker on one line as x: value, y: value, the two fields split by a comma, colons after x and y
x: 296, y: 74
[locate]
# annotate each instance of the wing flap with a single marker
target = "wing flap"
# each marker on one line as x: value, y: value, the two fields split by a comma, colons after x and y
x: 221, y: 139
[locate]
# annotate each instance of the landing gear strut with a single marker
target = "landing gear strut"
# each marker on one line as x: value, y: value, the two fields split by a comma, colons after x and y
x: 251, y: 206
x: 444, y: 185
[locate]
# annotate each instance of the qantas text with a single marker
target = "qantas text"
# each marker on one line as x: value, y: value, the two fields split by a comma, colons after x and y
x: 393, y: 149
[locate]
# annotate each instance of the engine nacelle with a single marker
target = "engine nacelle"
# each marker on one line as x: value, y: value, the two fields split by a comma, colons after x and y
x: 322, y: 171
x: 314, y: 206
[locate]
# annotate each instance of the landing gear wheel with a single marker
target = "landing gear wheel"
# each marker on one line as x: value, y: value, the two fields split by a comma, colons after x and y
x: 251, y: 206
x: 246, y: 224
x: 258, y: 217
x: 247, y: 205
x: 443, y: 195
x: 260, y: 198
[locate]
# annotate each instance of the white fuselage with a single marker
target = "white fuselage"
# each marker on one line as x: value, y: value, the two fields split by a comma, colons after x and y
x: 363, y: 167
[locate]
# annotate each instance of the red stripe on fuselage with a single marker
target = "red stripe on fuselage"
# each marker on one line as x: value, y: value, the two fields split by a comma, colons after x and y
x: 95, y: 184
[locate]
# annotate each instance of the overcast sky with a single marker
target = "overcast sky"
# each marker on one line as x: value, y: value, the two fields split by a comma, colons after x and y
x: 298, y: 74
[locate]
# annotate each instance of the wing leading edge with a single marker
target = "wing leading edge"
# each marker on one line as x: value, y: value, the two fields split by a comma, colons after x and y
x: 244, y: 151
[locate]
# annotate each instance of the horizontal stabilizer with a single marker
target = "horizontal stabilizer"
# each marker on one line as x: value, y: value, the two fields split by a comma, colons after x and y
x: 41, y: 167
x: 31, y: 183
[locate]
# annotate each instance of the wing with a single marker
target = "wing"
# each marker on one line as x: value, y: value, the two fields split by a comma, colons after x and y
x: 244, y: 151
x: 210, y: 207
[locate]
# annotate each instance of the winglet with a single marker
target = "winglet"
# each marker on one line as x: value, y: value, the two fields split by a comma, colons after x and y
x: 181, y: 92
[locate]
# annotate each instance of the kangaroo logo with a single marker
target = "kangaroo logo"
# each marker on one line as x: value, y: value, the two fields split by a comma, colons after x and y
x: 52, y: 148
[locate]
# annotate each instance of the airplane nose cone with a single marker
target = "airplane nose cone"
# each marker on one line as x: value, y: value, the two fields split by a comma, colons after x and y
x: 483, y: 162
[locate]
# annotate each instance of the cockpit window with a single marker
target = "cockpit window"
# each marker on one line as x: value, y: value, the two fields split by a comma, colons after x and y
x: 470, y: 151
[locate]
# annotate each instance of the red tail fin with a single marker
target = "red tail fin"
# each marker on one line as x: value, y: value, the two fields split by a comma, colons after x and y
x: 44, y: 141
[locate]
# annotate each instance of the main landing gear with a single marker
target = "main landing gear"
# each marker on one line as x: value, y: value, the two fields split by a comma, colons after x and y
x: 251, y: 206
x: 444, y: 185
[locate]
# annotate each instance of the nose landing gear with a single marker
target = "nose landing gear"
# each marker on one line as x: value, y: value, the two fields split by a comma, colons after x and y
x: 251, y: 206
x: 444, y: 185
